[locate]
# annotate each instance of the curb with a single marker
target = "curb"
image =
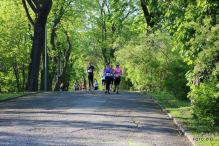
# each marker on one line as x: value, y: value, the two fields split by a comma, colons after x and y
x: 18, y: 96
x: 183, y: 129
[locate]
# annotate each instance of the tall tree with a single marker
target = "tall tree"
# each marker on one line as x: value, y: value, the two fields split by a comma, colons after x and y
x: 67, y: 54
x: 41, y: 8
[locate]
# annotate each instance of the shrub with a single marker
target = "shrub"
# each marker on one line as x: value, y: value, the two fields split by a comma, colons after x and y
x: 206, y: 102
x: 176, y: 81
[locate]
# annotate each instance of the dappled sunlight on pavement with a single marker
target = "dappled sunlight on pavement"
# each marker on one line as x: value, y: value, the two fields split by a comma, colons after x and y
x: 86, y: 118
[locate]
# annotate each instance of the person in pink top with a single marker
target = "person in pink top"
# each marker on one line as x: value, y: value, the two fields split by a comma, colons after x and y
x: 117, y: 77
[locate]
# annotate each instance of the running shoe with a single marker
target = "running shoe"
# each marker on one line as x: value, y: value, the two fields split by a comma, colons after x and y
x: 105, y: 92
x: 114, y: 90
x: 108, y: 92
x: 117, y: 92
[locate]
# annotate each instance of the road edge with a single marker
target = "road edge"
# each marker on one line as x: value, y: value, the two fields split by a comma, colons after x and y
x: 19, y: 96
x: 182, y: 128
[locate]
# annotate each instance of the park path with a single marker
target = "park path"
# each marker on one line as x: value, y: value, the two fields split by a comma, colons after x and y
x: 86, y: 118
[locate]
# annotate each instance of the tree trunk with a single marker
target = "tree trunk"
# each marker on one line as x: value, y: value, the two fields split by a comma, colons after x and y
x: 39, y: 36
x: 42, y: 86
x: 17, y: 78
x: 41, y: 10
x: 49, y: 83
x: 23, y: 72
x: 84, y: 80
x: 147, y: 16
x: 59, y: 64
x: 61, y: 77
x: 103, y: 45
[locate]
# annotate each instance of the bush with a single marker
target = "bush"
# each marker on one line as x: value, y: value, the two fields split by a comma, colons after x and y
x: 131, y: 88
x: 176, y: 81
x: 206, y: 102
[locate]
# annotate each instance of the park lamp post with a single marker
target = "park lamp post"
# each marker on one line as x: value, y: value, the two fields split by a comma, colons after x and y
x: 54, y: 21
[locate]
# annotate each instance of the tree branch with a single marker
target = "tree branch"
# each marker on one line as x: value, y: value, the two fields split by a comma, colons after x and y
x: 48, y: 5
x: 146, y: 14
x: 108, y: 9
x: 37, y: 4
x: 27, y: 12
x: 130, y: 13
x: 32, y: 6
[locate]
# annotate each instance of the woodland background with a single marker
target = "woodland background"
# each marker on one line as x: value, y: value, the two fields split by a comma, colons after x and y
x: 161, y: 45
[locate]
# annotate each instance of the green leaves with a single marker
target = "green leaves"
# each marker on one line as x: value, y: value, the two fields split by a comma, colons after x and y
x: 146, y: 60
x: 15, y: 43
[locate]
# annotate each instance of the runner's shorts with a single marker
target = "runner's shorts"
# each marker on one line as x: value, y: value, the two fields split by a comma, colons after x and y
x: 112, y: 79
x: 117, y: 81
x: 108, y: 80
x: 103, y: 82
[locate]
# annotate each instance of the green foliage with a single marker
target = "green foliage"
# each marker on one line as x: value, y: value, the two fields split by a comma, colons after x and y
x: 176, y: 81
x: 207, y: 102
x: 15, y: 40
x: 153, y: 66
x: 196, y: 35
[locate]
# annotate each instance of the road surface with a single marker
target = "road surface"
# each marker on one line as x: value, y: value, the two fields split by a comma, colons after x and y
x: 86, y: 118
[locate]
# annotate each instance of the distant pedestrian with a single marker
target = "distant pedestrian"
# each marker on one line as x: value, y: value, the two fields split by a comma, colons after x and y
x: 75, y: 87
x: 62, y: 87
x: 102, y: 75
x: 1, y: 68
x: 90, y: 74
x: 95, y: 85
x: 83, y: 86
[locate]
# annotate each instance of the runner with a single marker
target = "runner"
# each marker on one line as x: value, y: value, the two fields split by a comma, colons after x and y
x: 90, y: 74
x: 1, y: 68
x: 117, y: 78
x: 112, y: 78
x: 108, y: 72
x: 102, y: 75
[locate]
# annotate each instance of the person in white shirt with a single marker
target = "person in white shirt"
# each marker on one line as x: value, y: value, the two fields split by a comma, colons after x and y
x: 102, y: 75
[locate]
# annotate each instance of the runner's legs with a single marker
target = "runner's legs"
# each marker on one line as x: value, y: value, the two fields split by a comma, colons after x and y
x: 108, y: 81
x: 103, y: 84
x: 90, y: 80
x: 117, y: 82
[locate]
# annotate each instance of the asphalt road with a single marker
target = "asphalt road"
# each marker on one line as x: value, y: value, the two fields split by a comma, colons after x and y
x: 86, y: 118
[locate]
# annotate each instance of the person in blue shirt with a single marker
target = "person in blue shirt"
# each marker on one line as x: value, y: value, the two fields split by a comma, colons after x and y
x: 108, y: 72
x: 95, y: 85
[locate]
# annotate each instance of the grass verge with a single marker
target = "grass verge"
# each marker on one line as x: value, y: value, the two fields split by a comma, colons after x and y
x: 10, y: 95
x: 204, y: 135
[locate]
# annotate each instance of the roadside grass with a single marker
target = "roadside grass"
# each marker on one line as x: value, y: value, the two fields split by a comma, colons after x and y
x: 10, y: 95
x: 204, y: 135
